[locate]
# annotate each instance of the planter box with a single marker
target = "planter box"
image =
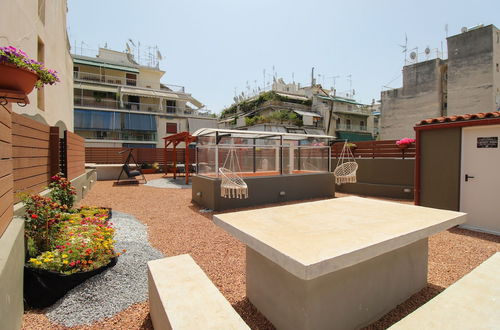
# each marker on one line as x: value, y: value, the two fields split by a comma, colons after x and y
x: 43, y: 288
x: 148, y: 170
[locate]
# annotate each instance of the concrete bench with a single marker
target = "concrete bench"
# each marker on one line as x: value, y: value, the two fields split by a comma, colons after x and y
x: 181, y: 296
x: 473, y: 302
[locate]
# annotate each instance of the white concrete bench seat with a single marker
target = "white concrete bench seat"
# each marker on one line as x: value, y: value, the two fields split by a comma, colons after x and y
x: 181, y: 296
x: 473, y: 302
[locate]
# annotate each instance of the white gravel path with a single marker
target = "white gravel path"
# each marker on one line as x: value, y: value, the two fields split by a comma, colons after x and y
x: 116, y: 289
x: 169, y: 183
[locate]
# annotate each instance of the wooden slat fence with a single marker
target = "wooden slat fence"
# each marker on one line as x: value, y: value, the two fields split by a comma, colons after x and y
x: 75, y: 155
x: 376, y: 149
x: 6, y: 176
x: 142, y: 155
x: 31, y: 155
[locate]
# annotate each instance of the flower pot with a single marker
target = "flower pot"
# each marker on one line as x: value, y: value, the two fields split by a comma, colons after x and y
x: 43, y: 288
x: 148, y: 170
x: 16, y: 79
x: 403, y: 146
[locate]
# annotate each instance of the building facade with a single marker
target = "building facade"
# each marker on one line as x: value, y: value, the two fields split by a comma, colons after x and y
x: 120, y: 103
x: 295, y: 109
x: 467, y: 82
x: 39, y: 29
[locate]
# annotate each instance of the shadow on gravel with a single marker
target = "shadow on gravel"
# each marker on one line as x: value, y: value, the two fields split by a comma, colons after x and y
x: 252, y: 316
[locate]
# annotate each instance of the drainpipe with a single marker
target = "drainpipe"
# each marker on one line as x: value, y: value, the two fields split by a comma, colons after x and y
x: 416, y: 184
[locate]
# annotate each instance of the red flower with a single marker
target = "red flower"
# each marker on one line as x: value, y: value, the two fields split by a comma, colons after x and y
x: 72, y: 264
x: 34, y: 216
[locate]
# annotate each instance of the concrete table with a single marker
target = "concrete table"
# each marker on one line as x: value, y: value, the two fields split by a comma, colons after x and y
x: 335, y: 264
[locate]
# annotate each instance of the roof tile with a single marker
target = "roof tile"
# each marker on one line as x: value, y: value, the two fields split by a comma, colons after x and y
x: 454, y: 118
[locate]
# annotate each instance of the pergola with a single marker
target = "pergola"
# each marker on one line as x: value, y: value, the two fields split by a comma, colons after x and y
x: 175, y: 139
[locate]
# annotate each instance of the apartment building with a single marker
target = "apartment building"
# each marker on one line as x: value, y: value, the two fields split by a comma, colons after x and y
x: 120, y: 103
x: 467, y: 82
x: 295, y: 109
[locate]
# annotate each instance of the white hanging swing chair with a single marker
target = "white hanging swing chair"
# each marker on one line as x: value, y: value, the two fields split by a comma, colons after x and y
x: 345, y: 172
x: 232, y: 185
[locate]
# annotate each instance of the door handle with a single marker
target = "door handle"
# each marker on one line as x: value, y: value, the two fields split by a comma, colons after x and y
x: 467, y: 177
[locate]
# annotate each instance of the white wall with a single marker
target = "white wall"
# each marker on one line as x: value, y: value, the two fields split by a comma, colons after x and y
x: 21, y: 27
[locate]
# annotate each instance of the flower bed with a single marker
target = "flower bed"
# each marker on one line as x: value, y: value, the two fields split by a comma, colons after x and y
x: 65, y: 246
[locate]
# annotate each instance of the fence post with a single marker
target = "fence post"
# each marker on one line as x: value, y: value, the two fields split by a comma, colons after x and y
x: 54, y: 149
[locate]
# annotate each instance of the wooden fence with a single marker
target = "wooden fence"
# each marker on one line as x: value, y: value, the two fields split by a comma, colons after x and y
x: 376, y: 149
x: 6, y: 177
x: 75, y: 155
x: 142, y: 155
x: 31, y: 155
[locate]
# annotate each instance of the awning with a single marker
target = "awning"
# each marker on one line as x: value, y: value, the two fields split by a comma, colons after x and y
x: 339, y: 99
x: 93, y: 87
x: 105, y: 65
x: 256, y: 134
x: 307, y: 113
x: 148, y: 93
x: 294, y: 97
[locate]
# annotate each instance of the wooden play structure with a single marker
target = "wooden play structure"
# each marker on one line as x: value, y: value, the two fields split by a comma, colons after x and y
x: 175, y: 140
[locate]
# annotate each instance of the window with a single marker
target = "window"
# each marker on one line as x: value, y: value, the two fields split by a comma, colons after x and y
x: 41, y: 58
x: 348, y: 124
x: 108, y: 120
x: 497, y: 67
x: 171, y: 106
x: 76, y: 71
x: 171, y: 128
x: 131, y: 79
x: 338, y: 122
x: 362, y: 125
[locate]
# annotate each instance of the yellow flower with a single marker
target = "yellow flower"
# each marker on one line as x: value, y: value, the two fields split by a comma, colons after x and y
x: 38, y: 262
x: 46, y: 260
x: 64, y: 255
x: 65, y: 261
x: 33, y: 260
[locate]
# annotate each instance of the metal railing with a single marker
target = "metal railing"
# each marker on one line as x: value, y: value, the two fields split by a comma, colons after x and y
x: 352, y: 128
x: 115, y: 135
x: 121, y: 81
x: 106, y: 103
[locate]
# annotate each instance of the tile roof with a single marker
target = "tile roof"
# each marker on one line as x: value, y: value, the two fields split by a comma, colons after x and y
x: 456, y: 118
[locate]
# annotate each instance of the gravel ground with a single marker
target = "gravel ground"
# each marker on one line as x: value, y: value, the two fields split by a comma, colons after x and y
x: 169, y: 183
x: 175, y: 226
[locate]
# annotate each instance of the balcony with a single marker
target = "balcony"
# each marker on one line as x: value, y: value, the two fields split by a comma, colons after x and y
x: 141, y: 136
x: 120, y: 81
x: 112, y: 104
x: 351, y: 128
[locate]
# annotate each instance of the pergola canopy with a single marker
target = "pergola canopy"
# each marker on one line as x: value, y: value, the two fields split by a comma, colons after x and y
x: 208, y: 132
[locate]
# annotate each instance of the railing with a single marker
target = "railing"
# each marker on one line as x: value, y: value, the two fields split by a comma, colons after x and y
x: 117, y: 135
x: 121, y: 81
x: 354, y: 110
x: 376, y: 149
x: 351, y: 128
x: 106, y: 103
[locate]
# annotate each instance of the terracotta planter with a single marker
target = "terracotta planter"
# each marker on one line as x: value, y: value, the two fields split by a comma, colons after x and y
x: 403, y: 146
x: 15, y: 79
x: 148, y: 170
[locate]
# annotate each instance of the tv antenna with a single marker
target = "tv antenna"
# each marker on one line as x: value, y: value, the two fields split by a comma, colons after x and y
x: 405, y: 46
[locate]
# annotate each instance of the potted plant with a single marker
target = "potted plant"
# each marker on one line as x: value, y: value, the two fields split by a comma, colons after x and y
x: 405, y: 143
x: 352, y: 146
x: 20, y: 73
x: 64, y: 247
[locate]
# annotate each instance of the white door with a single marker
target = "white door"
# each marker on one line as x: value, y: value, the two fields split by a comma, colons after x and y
x: 480, y: 177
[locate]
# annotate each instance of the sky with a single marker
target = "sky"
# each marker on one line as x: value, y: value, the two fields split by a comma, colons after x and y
x: 220, y: 48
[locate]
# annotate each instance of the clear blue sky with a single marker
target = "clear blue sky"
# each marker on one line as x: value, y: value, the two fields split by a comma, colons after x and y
x: 213, y: 47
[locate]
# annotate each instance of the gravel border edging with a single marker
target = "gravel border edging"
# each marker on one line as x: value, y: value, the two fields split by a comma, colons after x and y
x: 116, y: 289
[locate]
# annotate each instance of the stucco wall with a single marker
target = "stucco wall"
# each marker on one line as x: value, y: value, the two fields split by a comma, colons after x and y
x: 471, y: 87
x: 383, y: 178
x: 419, y: 98
x: 440, y: 168
x: 25, y: 35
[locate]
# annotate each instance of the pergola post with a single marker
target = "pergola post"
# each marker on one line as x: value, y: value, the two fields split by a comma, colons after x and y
x: 186, y: 166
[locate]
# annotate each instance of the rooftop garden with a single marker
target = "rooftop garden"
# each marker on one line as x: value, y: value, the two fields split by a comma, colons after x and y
x: 250, y: 105
x: 281, y: 117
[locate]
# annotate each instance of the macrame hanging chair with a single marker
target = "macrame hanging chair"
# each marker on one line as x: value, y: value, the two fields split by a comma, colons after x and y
x: 232, y: 185
x: 345, y: 172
